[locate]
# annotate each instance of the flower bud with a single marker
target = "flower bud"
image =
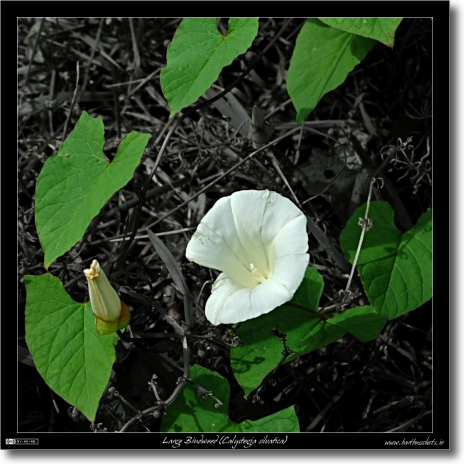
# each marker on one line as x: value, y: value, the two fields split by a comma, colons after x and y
x: 111, y: 314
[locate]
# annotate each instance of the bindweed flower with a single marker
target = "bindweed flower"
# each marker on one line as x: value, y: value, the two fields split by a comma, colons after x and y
x: 258, y: 240
x: 111, y: 314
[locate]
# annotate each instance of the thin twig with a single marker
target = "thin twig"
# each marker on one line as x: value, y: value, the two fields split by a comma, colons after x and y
x: 406, y: 424
x: 159, y: 234
x: 286, y: 352
x: 310, y: 129
x: 233, y: 168
x: 275, y: 163
x: 143, y: 81
x: 34, y: 48
x: 73, y: 101
x: 135, y: 47
x: 117, y: 395
x: 127, y: 338
x: 205, y: 393
x: 89, y: 62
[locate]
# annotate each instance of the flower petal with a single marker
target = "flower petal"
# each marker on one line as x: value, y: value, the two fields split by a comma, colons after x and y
x: 291, y: 240
x: 229, y: 303
x: 280, y: 212
x: 216, y: 245
x: 226, y: 290
x: 289, y: 271
x: 248, y: 209
x: 268, y: 296
x: 265, y: 221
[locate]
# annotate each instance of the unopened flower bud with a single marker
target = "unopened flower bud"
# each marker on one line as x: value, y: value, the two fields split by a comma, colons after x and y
x: 111, y: 314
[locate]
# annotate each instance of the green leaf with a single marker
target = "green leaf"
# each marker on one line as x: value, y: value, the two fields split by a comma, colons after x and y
x: 73, y: 359
x: 74, y: 185
x: 322, y: 58
x: 262, y: 350
x: 197, y: 54
x: 364, y: 322
x: 306, y: 331
x: 395, y: 268
x: 191, y: 413
x: 381, y: 29
x: 309, y: 292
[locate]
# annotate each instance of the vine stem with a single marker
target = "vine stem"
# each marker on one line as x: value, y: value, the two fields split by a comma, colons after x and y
x: 364, y: 223
x: 296, y: 305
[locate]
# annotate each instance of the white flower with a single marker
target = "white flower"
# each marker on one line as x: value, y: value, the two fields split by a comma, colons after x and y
x: 111, y: 314
x: 258, y: 240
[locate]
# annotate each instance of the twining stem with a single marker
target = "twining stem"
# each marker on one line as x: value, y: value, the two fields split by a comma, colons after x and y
x: 296, y: 305
x: 205, y: 393
x: 364, y: 226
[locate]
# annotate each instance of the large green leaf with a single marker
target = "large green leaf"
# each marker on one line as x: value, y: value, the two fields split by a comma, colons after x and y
x: 69, y: 354
x: 363, y: 322
x: 305, y: 331
x: 191, y: 413
x: 395, y: 268
x: 322, y: 58
x: 381, y: 29
x: 74, y: 185
x: 197, y: 54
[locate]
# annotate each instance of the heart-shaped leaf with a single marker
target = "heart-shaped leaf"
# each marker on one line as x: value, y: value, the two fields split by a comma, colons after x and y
x: 73, y: 359
x: 322, y: 58
x: 74, y: 185
x: 305, y: 331
x: 191, y: 413
x: 381, y: 29
x: 395, y: 268
x: 197, y: 54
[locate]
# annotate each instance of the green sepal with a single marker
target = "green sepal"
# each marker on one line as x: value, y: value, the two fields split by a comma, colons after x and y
x: 109, y: 327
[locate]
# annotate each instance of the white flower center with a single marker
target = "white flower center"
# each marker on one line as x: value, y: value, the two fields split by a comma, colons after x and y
x: 257, y: 274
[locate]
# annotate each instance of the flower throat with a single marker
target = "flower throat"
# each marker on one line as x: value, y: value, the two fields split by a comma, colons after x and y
x: 257, y: 274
